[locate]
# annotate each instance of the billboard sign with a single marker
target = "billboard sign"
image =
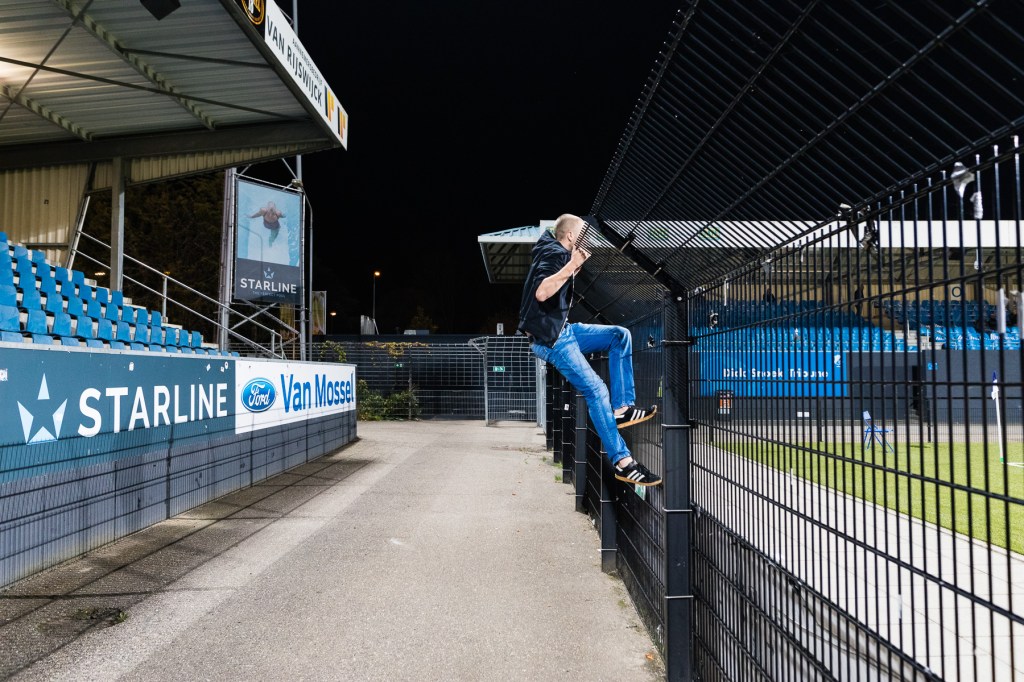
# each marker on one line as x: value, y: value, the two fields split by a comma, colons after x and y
x: 268, y: 243
x: 275, y: 393
x: 279, y: 36
x: 769, y: 375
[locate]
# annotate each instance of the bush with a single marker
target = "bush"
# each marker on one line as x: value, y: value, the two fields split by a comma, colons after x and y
x: 373, y: 407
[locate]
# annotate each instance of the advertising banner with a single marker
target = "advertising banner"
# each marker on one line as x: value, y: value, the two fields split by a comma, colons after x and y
x: 318, y: 316
x: 268, y: 250
x: 770, y: 375
x: 46, y: 398
x: 274, y: 393
x: 275, y: 28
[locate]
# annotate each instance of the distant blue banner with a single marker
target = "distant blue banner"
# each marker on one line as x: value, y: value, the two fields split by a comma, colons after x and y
x: 759, y: 374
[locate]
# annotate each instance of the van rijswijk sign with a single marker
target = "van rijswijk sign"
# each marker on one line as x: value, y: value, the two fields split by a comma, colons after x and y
x: 274, y: 393
x: 770, y: 375
x: 268, y: 236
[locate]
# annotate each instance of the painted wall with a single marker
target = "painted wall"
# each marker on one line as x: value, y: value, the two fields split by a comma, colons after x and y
x: 95, y: 445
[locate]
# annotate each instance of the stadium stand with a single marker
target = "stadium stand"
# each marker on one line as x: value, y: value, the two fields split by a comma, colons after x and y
x: 48, y: 305
x: 814, y: 326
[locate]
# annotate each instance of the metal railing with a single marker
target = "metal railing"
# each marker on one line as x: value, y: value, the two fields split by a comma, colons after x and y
x: 276, y: 344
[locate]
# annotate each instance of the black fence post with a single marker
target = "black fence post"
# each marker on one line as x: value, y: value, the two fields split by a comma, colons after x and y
x: 550, y: 412
x: 677, y: 513
x: 609, y: 524
x: 568, y: 436
x: 580, y: 455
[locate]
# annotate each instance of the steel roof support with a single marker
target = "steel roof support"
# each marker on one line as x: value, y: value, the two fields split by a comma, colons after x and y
x: 44, y: 112
x: 147, y: 71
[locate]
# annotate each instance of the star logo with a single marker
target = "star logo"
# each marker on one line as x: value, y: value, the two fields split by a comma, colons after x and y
x: 43, y: 433
x: 268, y: 273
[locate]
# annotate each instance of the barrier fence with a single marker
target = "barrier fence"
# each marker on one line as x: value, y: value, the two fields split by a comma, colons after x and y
x: 812, y: 228
x: 492, y: 377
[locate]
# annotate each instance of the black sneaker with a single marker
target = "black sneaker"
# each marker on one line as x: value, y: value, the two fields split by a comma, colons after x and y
x: 637, y: 474
x: 634, y: 415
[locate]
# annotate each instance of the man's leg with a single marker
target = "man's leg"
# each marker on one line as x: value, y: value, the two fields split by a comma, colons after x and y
x: 567, y: 359
x: 619, y: 344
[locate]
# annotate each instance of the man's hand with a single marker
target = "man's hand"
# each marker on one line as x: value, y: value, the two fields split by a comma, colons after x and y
x: 579, y: 257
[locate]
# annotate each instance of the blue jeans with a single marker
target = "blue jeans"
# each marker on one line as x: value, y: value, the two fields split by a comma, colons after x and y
x: 567, y: 355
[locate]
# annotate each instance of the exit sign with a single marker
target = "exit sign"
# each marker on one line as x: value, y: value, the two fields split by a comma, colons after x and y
x: 499, y: 368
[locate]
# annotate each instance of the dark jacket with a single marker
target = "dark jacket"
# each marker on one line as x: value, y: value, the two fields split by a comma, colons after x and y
x: 543, y: 320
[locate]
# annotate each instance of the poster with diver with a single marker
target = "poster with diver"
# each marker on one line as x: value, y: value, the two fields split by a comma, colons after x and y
x: 268, y: 233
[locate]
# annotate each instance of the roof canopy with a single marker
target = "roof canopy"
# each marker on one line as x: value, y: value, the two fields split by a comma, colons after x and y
x: 209, y: 86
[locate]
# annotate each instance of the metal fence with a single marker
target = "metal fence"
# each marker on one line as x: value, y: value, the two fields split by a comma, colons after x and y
x: 815, y: 214
x: 491, y: 377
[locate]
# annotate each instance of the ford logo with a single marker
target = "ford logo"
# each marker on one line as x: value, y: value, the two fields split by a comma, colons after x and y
x: 258, y: 395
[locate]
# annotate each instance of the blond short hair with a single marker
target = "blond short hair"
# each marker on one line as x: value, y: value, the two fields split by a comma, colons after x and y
x: 565, y: 222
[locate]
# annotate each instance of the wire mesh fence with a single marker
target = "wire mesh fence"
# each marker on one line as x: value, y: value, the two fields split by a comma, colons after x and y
x: 492, y: 377
x: 829, y: 194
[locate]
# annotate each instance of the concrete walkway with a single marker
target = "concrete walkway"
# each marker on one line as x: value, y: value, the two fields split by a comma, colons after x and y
x: 425, y: 551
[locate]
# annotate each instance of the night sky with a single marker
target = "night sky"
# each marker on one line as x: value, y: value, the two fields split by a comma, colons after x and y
x: 466, y: 118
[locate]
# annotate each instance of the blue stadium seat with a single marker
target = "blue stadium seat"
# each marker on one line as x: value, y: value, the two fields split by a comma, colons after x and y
x: 78, y: 277
x: 6, y: 274
x: 75, y: 306
x: 36, y: 322
x: 42, y: 339
x: 141, y: 315
x: 171, y: 336
x: 94, y: 309
x: 11, y: 337
x: 117, y: 297
x: 118, y: 345
x: 8, y: 295
x: 86, y: 292
x: 112, y: 313
x: 31, y: 300
x: 25, y: 268
x: 54, y: 303
x: 124, y: 332
x: 156, y: 319
x: 137, y: 346
x: 61, y: 324
x: 197, y: 340
x: 102, y: 294
x: 82, y: 327
x: 104, y: 330
x: 70, y: 341
x: 20, y: 251
x: 10, y: 319
x: 141, y: 333
x: 94, y: 343
x: 62, y: 275
x: 156, y: 335
x: 38, y: 256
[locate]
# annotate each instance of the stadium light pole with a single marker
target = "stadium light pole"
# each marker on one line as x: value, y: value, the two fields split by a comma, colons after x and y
x: 373, y: 309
